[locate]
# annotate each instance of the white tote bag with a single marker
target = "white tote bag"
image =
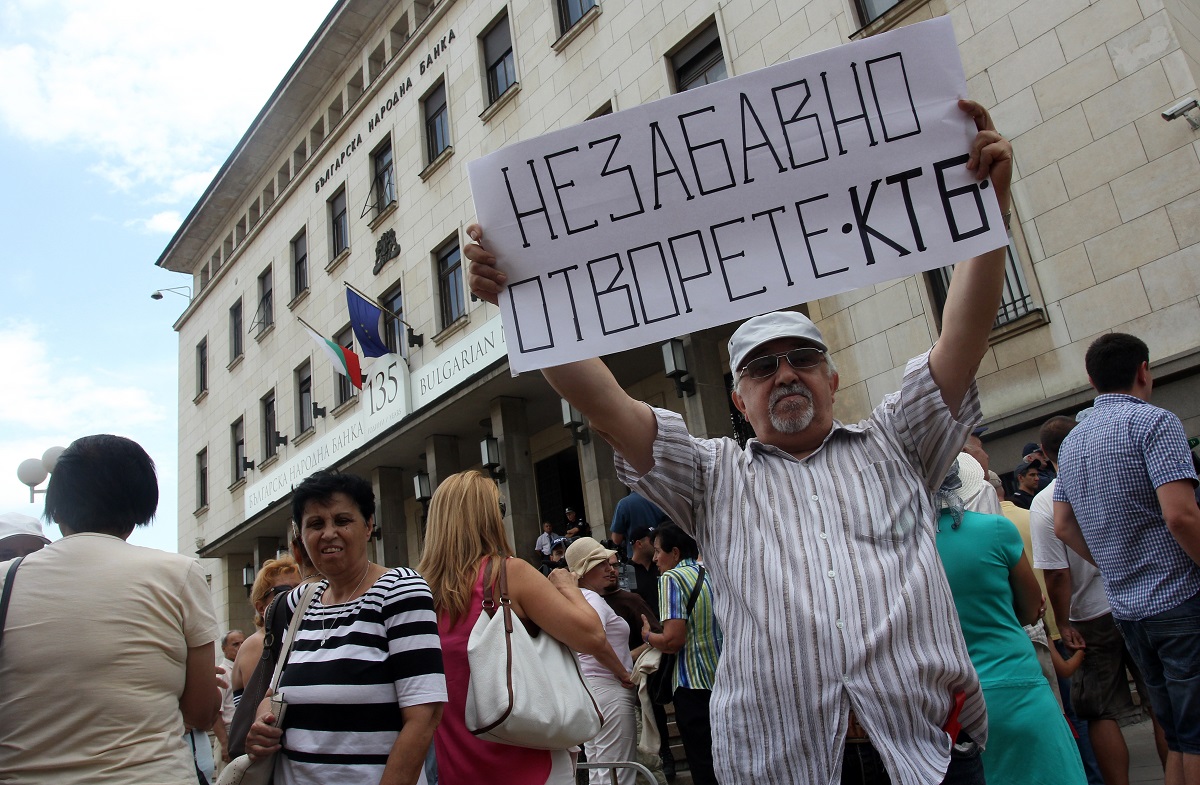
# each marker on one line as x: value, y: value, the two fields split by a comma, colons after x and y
x: 525, y: 690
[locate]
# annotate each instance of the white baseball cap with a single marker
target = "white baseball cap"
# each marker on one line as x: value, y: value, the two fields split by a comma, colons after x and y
x: 13, y: 524
x: 753, y: 333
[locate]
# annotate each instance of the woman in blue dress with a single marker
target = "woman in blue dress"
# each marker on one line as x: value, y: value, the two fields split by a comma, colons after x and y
x: 995, y: 592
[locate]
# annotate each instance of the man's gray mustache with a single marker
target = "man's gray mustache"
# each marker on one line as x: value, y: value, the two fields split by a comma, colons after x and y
x: 792, y: 389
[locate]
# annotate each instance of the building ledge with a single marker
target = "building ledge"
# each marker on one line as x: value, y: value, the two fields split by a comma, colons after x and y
x: 299, y: 298
x: 336, y: 261
x: 201, y: 511
x: 345, y: 406
x: 584, y: 22
x: 436, y: 163
x: 1022, y: 324
x: 200, y: 396
x: 304, y: 436
x: 383, y: 215
x: 495, y: 106
x: 270, y: 460
x: 235, y: 362
x: 237, y: 484
x: 457, y: 326
x: 262, y: 334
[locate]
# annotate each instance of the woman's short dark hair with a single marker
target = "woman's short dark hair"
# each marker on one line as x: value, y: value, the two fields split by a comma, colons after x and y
x: 104, y: 484
x: 321, y: 486
x: 670, y: 537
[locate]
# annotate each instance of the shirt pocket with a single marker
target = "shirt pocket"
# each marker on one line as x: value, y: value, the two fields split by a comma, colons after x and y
x: 892, y: 511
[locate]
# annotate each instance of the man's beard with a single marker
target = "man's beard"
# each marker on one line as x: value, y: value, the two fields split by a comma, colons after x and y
x: 793, y: 416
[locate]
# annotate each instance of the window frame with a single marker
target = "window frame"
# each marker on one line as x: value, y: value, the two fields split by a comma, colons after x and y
x: 202, y: 479
x: 202, y: 367
x: 393, y: 327
x: 237, y: 344
x: 436, y: 121
x: 269, y: 414
x: 237, y: 446
x: 264, y: 315
x: 865, y: 14
x: 506, y: 59
x: 697, y: 57
x: 339, y: 223
x: 345, y: 391
x: 299, y: 246
x: 304, y: 409
x: 1018, y: 301
x: 565, y: 19
x: 453, y: 294
x: 384, y: 193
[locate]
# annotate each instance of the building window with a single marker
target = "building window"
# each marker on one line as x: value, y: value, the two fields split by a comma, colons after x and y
x: 1017, y: 300
x: 450, y: 283
x: 304, y: 398
x: 235, y: 330
x: 699, y: 61
x: 237, y: 452
x: 202, y: 479
x: 571, y: 11
x: 498, y: 59
x: 870, y: 10
x: 385, y: 182
x: 269, y: 431
x: 339, y: 223
x: 300, y: 264
x: 437, y: 123
x: 264, y: 315
x: 202, y: 366
x: 393, y: 328
x: 345, y: 390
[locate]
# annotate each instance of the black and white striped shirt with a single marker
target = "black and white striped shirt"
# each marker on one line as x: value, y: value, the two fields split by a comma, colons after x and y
x: 352, y: 668
x: 828, y: 588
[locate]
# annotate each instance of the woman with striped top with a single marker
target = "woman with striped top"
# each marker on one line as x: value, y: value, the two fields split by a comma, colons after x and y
x: 694, y: 636
x: 363, y: 682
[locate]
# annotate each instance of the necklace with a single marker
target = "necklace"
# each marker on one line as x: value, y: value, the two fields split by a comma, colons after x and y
x: 325, y: 632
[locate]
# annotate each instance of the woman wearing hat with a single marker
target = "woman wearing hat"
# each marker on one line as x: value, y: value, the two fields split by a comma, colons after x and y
x: 596, y: 568
x: 20, y: 535
x: 995, y: 592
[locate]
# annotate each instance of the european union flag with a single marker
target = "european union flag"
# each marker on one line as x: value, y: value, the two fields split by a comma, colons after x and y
x: 365, y: 318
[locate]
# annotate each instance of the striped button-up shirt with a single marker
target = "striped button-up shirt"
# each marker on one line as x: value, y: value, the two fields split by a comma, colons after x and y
x: 1110, y: 468
x: 696, y: 666
x: 828, y: 588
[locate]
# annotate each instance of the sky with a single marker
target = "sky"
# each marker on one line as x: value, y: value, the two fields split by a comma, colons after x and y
x: 114, y: 117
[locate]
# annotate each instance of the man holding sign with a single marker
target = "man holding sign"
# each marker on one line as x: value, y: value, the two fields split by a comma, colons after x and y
x: 842, y: 642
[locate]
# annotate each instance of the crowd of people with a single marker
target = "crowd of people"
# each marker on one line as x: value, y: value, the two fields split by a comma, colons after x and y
x: 837, y: 603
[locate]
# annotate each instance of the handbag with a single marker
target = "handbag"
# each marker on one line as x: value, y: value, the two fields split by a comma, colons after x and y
x: 525, y: 690
x: 274, y: 629
x: 244, y: 770
x: 660, y: 684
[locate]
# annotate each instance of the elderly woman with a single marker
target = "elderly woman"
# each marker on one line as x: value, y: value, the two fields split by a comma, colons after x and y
x: 465, y: 534
x: 363, y: 681
x: 995, y: 592
x: 694, y: 636
x: 596, y: 568
x: 108, y: 647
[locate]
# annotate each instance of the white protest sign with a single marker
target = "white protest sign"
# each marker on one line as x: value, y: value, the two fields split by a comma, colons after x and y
x: 798, y: 181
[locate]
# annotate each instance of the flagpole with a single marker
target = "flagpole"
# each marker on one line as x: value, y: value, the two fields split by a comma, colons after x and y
x: 309, y: 326
x: 375, y: 302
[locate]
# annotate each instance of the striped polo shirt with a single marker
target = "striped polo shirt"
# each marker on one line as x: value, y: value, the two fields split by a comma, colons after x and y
x: 696, y: 665
x: 828, y: 588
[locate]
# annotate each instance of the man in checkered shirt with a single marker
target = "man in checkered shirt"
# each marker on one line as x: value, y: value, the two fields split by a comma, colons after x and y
x: 1125, y: 502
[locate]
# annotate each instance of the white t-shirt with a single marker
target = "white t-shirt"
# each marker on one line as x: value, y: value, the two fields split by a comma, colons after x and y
x: 95, y: 649
x: 1050, y: 553
x: 616, y: 630
x: 227, y: 707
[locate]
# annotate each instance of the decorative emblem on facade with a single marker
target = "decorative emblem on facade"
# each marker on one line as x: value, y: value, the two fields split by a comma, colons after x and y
x: 385, y: 250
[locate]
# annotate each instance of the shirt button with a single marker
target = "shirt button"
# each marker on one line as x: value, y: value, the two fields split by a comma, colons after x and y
x: 824, y: 536
x: 831, y: 573
x: 840, y: 624
x: 814, y: 497
x: 845, y: 679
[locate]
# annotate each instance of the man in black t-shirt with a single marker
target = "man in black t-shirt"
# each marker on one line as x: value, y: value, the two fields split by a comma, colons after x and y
x: 644, y: 570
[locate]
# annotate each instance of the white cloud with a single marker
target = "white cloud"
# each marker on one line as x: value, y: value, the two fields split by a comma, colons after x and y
x: 158, y: 93
x: 159, y: 223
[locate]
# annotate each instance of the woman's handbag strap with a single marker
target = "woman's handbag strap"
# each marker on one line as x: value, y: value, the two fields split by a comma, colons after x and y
x: 297, y: 617
x: 8, y: 584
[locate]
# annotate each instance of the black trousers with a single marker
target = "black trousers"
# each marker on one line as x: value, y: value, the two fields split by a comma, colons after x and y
x: 862, y: 765
x: 691, y: 715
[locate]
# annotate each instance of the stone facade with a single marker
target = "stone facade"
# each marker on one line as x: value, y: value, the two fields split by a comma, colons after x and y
x: 1107, y: 232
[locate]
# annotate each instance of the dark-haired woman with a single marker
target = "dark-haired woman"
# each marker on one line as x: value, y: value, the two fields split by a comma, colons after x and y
x: 694, y: 636
x: 108, y: 647
x: 363, y: 681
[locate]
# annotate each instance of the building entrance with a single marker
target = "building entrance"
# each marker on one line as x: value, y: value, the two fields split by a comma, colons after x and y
x: 559, y: 487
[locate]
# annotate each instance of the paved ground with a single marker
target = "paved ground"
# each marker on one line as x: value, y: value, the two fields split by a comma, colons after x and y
x: 1144, y: 766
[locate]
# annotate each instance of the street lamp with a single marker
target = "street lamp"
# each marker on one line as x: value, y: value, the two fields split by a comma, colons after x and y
x: 182, y: 291
x: 34, y: 471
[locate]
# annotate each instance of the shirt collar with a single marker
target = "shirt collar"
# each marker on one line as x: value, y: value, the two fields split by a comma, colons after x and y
x: 755, y: 445
x: 1112, y: 399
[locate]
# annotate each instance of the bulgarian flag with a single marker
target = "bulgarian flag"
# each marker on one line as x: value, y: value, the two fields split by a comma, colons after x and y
x: 344, y: 360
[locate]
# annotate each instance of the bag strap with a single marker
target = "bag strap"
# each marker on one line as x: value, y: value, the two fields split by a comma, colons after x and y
x: 269, y: 627
x: 8, y: 584
x: 297, y: 617
x: 691, y: 603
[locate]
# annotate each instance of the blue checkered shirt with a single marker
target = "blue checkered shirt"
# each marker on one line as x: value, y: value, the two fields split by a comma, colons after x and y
x: 1108, y: 470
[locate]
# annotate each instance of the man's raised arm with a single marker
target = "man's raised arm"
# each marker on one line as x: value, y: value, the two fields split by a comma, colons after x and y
x: 629, y: 426
x: 976, y: 286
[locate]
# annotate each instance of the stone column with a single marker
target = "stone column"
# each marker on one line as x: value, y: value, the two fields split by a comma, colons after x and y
x: 601, y: 488
x: 707, y: 412
x: 239, y: 615
x: 265, y: 548
x: 441, y: 458
x: 392, y: 550
x: 511, y: 428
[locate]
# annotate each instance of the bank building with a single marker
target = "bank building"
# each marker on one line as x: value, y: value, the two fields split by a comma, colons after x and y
x: 353, y: 177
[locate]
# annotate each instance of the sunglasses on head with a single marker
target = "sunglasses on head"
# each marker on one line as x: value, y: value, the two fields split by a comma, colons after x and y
x: 768, y: 364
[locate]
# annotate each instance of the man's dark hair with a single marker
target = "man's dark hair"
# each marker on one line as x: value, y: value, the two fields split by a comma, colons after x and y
x: 1052, y: 434
x: 1112, y: 361
x: 104, y: 484
x: 321, y: 486
x: 640, y: 531
x: 670, y: 537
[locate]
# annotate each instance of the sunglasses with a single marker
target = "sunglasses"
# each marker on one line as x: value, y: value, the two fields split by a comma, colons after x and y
x: 767, y: 365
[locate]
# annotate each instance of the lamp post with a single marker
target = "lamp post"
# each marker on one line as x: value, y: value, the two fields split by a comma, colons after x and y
x: 34, y: 471
x: 182, y: 291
